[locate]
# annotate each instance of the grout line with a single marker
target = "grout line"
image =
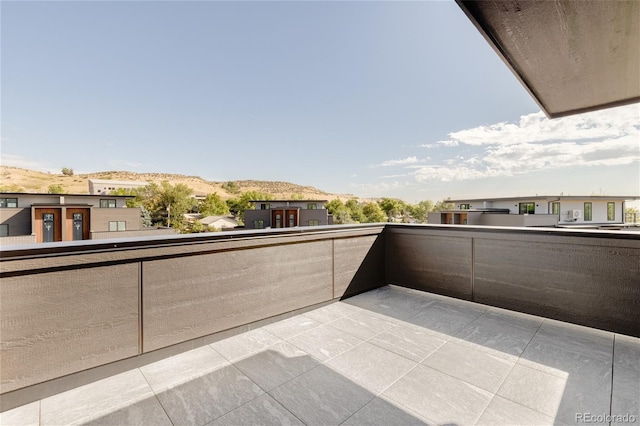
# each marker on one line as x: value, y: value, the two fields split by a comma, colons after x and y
x: 156, y: 396
x: 613, y: 363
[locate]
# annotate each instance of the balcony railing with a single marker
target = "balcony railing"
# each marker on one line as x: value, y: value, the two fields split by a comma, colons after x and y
x: 71, y: 313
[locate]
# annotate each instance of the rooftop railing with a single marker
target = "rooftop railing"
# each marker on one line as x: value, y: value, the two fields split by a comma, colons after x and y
x: 73, y: 312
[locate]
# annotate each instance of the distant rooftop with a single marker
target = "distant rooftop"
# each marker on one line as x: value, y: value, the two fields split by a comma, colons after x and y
x: 558, y: 197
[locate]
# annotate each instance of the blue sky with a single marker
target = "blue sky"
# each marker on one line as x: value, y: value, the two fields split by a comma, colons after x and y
x: 399, y: 99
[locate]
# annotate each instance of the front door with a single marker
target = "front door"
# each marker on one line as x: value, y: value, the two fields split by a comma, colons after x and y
x: 48, y: 228
x: 78, y: 219
x: 292, y: 218
x: 277, y: 218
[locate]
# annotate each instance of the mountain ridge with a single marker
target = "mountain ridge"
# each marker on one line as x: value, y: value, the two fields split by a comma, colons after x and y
x: 16, y: 179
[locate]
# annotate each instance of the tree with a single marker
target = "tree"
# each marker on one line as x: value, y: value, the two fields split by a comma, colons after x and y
x: 213, y: 205
x: 373, y: 213
x: 67, y: 171
x: 420, y: 211
x: 355, y: 211
x: 55, y: 189
x: 443, y: 205
x: 297, y: 197
x: 341, y: 213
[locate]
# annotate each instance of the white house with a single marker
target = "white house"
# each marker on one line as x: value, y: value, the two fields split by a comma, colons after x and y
x: 540, y: 210
x: 103, y: 186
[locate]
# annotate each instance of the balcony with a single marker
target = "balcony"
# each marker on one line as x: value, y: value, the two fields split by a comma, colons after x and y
x: 366, y: 324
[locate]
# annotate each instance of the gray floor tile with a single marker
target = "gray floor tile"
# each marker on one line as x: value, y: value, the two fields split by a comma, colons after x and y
x: 481, y: 369
x: 322, y: 397
x: 245, y: 344
x: 276, y: 365
x: 372, y: 367
x: 504, y: 412
x: 626, y: 379
x: 561, y: 398
x: 439, y: 397
x: 364, y: 324
x: 576, y: 338
x: 397, y: 304
x: 292, y: 326
x: 325, y: 342
x: 331, y: 312
x: 409, y: 341
x: 383, y: 411
x: 264, y: 410
x: 26, y: 415
x: 546, y: 355
x: 173, y: 371
x: 207, y: 397
x: 141, y: 413
x: 98, y: 399
x: 501, y: 338
x: 445, y: 318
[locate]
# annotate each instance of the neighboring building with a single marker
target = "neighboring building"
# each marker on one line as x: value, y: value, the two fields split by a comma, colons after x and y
x: 219, y: 222
x: 557, y: 211
x: 36, y: 218
x: 287, y: 214
x: 104, y: 187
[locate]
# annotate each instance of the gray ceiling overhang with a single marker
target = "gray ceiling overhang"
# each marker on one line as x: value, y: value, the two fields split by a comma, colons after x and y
x: 572, y: 56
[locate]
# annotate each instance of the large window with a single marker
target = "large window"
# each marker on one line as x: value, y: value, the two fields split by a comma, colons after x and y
x: 8, y: 202
x: 611, y: 211
x: 117, y: 225
x: 555, y: 208
x: 588, y: 212
x: 313, y: 222
x: 465, y: 206
x: 4, y: 230
x: 312, y: 206
x: 108, y: 203
x: 527, y: 208
x: 264, y: 206
x: 258, y: 224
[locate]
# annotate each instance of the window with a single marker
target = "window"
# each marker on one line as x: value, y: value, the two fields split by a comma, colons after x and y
x: 313, y: 222
x: 258, y: 224
x: 292, y: 221
x: 555, y: 208
x: 4, y: 230
x: 588, y: 215
x: 312, y: 206
x: 8, y: 202
x: 117, y: 225
x: 108, y: 203
x: 465, y: 206
x: 264, y: 206
x: 527, y: 208
x: 611, y: 211
x: 278, y: 221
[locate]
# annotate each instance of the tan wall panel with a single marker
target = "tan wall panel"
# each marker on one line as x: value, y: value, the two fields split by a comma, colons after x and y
x: 58, y: 323
x: 100, y: 218
x: 189, y: 297
x: 358, y: 265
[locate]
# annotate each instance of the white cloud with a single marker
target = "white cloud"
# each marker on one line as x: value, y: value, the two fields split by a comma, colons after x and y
x: 408, y: 160
x: 603, y: 138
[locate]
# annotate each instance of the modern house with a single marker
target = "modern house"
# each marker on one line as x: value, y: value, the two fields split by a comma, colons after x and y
x: 39, y: 218
x: 104, y: 186
x: 287, y: 214
x: 540, y: 210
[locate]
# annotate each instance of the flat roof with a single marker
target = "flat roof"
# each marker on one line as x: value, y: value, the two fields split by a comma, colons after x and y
x: 553, y: 197
x: 288, y: 201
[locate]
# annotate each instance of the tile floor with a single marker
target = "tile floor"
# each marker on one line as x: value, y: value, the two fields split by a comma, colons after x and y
x: 392, y: 356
